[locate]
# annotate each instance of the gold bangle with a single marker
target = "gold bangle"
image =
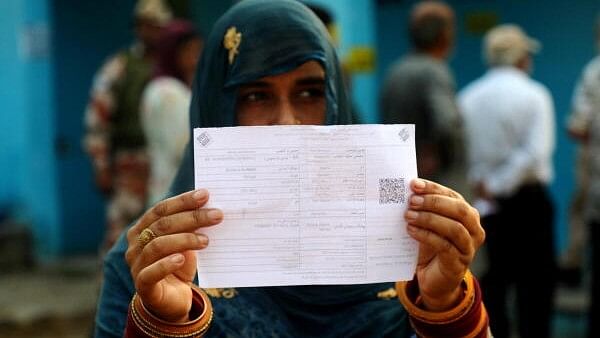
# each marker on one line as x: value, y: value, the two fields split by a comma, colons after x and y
x: 444, y: 317
x: 154, y: 326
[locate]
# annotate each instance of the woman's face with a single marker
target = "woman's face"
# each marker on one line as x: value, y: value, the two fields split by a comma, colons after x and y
x: 295, y: 97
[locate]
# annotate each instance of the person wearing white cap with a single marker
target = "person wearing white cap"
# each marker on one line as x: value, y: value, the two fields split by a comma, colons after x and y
x: 113, y: 137
x: 509, y: 121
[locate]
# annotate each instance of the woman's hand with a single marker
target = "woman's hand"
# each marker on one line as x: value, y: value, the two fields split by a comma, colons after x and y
x: 164, y: 268
x: 449, y: 233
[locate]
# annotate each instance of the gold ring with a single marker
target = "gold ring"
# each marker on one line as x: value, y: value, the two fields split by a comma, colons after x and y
x: 145, y: 237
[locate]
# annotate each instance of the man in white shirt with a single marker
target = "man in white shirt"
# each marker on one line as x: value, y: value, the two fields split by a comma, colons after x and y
x: 509, y: 121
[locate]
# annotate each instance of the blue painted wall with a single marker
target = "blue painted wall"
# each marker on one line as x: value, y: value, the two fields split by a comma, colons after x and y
x: 40, y: 184
x: 12, y: 118
x: 27, y: 170
x: 565, y: 28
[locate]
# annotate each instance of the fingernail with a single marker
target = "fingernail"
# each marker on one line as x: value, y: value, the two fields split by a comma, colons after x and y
x: 203, y: 240
x: 215, y: 215
x: 200, y: 194
x: 411, y: 229
x: 419, y: 184
x: 177, y: 258
x: 417, y: 200
x: 412, y: 215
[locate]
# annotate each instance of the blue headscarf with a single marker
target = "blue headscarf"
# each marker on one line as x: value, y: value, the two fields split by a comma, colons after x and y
x: 276, y: 37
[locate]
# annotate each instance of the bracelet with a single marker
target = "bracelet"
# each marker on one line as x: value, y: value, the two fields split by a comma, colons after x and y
x: 152, y: 326
x: 468, y: 319
x: 408, y: 296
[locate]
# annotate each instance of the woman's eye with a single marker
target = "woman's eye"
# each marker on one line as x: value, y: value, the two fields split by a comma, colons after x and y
x: 311, y: 93
x: 254, y: 97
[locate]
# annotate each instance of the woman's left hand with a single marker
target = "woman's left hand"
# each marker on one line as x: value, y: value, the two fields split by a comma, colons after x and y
x: 449, y: 233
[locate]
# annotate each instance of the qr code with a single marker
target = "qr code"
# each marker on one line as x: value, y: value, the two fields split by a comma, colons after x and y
x: 392, y: 190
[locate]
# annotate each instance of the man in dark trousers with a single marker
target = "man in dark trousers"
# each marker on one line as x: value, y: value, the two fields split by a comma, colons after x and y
x: 509, y: 120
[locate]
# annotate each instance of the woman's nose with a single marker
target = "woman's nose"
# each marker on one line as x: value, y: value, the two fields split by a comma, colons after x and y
x: 286, y: 113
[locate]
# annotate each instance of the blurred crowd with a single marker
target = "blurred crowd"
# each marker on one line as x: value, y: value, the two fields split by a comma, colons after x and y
x: 504, y: 124
x: 500, y: 132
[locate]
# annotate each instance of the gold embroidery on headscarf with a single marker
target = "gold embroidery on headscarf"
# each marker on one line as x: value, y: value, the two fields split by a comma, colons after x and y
x: 218, y: 293
x: 387, y: 294
x: 229, y: 293
x: 231, y: 42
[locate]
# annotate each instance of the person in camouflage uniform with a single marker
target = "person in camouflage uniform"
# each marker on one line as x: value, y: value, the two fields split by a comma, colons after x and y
x: 114, y: 138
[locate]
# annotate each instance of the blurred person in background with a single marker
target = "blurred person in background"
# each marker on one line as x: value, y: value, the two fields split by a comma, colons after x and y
x: 584, y: 125
x: 420, y: 89
x: 509, y: 120
x: 572, y: 259
x: 166, y: 102
x: 114, y: 138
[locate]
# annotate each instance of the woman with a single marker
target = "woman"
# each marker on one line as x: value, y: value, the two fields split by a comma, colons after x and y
x: 166, y: 102
x: 271, y: 62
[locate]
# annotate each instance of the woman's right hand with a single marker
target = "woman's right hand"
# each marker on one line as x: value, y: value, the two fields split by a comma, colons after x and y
x: 164, y: 268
